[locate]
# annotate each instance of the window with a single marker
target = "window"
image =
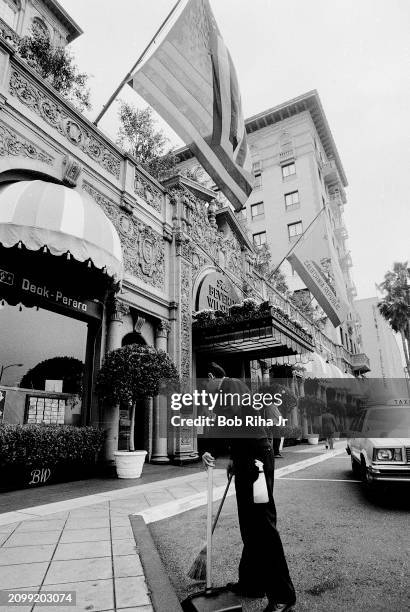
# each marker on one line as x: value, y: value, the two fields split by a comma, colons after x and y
x: 288, y: 170
x: 8, y: 12
x: 259, y: 238
x: 292, y: 198
x: 257, y: 184
x: 294, y: 229
x: 257, y: 167
x: 257, y: 210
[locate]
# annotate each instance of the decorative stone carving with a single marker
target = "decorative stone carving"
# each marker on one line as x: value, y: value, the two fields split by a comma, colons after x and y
x: 56, y: 116
x: 167, y: 232
x: 148, y: 192
x: 71, y: 171
x: 163, y: 329
x: 139, y: 324
x: 186, y: 322
x: 12, y: 143
x: 143, y: 248
x: 127, y: 203
x: 117, y: 310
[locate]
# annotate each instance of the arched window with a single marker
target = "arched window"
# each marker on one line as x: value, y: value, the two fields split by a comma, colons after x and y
x: 133, y: 338
x: 9, y: 12
x: 40, y: 29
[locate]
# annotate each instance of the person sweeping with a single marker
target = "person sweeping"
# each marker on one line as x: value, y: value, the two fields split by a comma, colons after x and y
x: 263, y: 569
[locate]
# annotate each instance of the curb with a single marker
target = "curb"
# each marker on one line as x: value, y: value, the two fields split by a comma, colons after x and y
x: 161, y: 591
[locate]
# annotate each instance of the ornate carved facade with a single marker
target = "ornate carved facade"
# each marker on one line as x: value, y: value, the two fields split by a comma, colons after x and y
x: 12, y: 143
x: 66, y: 124
x: 143, y: 248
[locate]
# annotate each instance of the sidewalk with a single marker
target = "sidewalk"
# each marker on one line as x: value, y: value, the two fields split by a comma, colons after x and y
x: 87, y: 545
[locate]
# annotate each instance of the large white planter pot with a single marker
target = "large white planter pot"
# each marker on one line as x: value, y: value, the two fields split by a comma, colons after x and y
x: 313, y: 439
x: 129, y: 464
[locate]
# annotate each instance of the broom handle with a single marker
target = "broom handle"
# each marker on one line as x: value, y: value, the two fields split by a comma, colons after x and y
x: 209, y: 530
x: 222, y: 502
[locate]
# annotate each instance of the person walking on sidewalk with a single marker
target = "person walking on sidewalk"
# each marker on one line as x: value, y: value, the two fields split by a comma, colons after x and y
x: 263, y: 569
x: 329, y: 427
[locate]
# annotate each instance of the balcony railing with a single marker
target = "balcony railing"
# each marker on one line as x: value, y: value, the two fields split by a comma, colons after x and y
x: 346, y: 260
x: 63, y: 119
x: 330, y: 173
x: 341, y: 231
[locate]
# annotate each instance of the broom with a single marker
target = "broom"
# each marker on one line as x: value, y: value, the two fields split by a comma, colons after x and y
x: 198, y: 568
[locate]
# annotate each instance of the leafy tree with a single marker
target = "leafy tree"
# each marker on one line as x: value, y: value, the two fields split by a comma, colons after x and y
x: 68, y: 369
x: 263, y: 266
x: 132, y: 373
x: 395, y: 305
x: 56, y: 65
x: 138, y: 136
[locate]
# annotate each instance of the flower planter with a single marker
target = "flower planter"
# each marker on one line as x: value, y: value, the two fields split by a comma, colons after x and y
x: 313, y: 439
x: 129, y: 464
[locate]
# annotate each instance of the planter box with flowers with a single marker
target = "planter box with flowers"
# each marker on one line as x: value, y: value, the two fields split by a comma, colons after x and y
x: 128, y: 375
x: 250, y: 313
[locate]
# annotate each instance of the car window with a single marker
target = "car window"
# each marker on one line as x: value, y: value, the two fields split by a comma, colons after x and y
x: 389, y: 421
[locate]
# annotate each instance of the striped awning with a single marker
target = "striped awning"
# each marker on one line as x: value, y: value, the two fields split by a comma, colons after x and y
x: 40, y: 214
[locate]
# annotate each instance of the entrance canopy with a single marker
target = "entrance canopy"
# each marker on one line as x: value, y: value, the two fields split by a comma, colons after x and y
x: 258, y: 338
x: 40, y: 214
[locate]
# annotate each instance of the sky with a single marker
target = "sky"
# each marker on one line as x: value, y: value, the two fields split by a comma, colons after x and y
x: 356, y: 53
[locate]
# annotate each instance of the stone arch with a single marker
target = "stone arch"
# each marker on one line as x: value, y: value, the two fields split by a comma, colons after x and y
x: 133, y: 338
x: 17, y: 169
x: 207, y: 269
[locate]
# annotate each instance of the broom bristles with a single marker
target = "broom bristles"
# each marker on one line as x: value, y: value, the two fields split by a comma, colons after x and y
x: 198, y: 568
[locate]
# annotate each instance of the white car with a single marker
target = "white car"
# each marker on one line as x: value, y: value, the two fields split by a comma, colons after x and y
x: 379, y: 446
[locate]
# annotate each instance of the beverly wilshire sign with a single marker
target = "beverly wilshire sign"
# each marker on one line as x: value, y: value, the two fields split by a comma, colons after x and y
x: 216, y: 292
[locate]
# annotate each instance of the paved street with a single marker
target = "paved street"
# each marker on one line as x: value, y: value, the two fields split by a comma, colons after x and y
x: 347, y: 551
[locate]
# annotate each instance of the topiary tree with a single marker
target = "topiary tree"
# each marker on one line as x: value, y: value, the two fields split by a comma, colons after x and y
x: 289, y: 399
x: 311, y: 406
x: 338, y: 410
x: 68, y: 369
x: 132, y: 373
x: 56, y: 65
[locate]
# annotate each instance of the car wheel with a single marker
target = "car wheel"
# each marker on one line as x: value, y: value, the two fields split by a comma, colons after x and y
x: 355, y: 467
x: 364, y: 474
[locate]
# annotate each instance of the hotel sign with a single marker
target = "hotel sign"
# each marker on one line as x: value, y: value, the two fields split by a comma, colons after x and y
x: 216, y: 292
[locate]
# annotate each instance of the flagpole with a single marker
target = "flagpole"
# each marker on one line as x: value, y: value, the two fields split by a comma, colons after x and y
x: 139, y: 60
x: 298, y: 240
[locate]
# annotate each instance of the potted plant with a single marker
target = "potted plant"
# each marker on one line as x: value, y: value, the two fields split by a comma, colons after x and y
x: 311, y: 406
x: 130, y: 374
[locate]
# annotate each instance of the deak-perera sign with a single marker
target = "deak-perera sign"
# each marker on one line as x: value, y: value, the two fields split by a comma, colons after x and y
x: 22, y: 287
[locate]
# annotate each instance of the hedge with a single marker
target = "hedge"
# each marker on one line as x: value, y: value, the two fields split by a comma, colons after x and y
x: 48, y: 445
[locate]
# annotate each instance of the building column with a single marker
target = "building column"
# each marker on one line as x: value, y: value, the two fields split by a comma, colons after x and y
x: 160, y: 408
x: 111, y: 416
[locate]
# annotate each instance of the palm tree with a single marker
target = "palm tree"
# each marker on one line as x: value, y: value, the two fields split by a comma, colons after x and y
x: 395, y: 305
